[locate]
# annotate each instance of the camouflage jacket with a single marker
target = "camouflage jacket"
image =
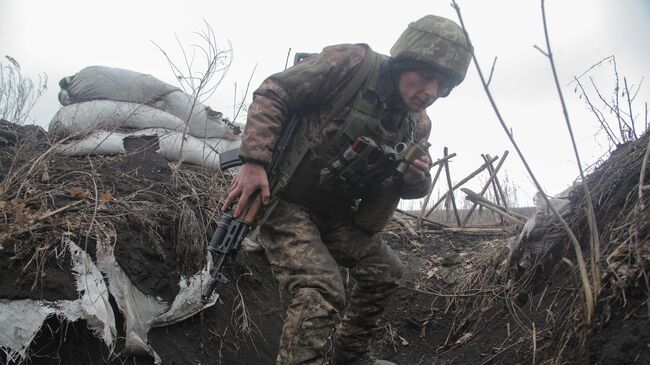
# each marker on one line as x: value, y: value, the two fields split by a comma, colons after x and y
x: 309, y: 88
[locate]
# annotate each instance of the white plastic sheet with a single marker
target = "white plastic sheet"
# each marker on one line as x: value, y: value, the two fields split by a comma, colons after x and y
x: 21, y: 320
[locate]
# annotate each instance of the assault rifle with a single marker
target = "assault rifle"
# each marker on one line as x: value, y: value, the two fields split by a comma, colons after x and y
x: 231, y: 231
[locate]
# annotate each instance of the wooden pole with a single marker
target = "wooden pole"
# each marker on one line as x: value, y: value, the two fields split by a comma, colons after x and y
x: 513, y: 216
x: 497, y: 197
x: 426, y: 200
x: 499, y: 212
x: 504, y: 199
x: 479, y: 230
x: 451, y: 189
x: 459, y: 184
x: 433, y: 184
x: 487, y: 185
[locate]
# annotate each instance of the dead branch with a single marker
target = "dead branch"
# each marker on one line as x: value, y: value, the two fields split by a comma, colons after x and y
x: 599, y: 115
x: 595, y: 237
x: 629, y: 105
x: 248, y: 84
x: 583, y: 272
x: 494, y: 63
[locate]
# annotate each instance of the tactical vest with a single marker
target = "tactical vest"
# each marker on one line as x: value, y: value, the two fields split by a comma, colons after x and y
x: 370, y: 205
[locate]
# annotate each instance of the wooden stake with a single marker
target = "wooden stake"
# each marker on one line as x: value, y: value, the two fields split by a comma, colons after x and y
x: 451, y: 189
x: 440, y: 164
x: 487, y: 185
x: 510, y: 215
x: 504, y: 199
x: 497, y: 197
x: 459, y: 184
x: 479, y: 230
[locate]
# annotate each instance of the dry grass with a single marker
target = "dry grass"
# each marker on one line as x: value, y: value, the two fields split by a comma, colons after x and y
x: 45, y: 198
x: 545, y: 301
x: 240, y: 317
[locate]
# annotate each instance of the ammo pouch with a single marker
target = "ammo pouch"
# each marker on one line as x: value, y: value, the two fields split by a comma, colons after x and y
x: 358, y: 167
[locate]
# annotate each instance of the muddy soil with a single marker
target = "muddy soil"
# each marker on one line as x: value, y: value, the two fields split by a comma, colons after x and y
x: 425, y: 321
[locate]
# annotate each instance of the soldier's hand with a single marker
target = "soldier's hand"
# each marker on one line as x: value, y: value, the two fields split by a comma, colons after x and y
x: 417, y: 171
x: 250, y: 178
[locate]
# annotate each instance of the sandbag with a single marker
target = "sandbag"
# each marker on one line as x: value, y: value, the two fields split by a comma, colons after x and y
x: 173, y: 145
x: 107, y: 83
x: 86, y: 117
x: 100, y: 82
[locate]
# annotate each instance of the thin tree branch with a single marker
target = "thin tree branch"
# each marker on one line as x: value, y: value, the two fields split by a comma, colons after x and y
x: 540, y: 50
x: 248, y: 84
x: 629, y: 105
x: 576, y: 245
x: 601, y: 119
x: 494, y: 62
x: 595, y: 239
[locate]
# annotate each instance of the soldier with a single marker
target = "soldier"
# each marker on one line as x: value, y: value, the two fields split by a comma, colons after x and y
x: 331, y: 203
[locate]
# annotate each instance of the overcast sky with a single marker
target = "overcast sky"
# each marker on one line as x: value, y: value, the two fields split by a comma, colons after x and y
x: 61, y: 37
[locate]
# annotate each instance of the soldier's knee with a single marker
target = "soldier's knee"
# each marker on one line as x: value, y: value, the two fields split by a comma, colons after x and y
x: 315, y: 299
x: 330, y: 287
x: 336, y: 294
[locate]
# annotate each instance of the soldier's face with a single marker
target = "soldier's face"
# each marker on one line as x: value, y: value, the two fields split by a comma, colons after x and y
x: 419, y: 89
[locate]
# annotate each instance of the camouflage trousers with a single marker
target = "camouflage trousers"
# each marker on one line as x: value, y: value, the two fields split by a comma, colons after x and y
x: 305, y: 253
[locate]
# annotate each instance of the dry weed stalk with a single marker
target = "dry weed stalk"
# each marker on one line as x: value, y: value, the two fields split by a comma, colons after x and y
x: 189, y: 238
x: 200, y: 83
x: 18, y: 94
x: 594, y: 241
x: 588, y: 292
x: 626, y: 126
x: 240, y: 317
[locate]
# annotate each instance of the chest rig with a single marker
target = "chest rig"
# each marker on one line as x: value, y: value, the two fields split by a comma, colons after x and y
x: 367, y: 120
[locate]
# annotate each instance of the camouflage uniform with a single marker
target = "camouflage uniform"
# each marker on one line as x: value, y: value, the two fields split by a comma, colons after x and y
x: 311, y: 231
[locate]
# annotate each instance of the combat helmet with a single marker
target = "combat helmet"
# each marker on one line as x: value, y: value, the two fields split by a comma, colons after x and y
x: 438, y: 42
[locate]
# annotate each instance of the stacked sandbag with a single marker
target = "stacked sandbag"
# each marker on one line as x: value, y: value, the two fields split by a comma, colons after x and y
x: 101, y: 104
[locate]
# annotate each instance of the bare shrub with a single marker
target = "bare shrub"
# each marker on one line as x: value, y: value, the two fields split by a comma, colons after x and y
x: 18, y: 93
x: 614, y: 111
